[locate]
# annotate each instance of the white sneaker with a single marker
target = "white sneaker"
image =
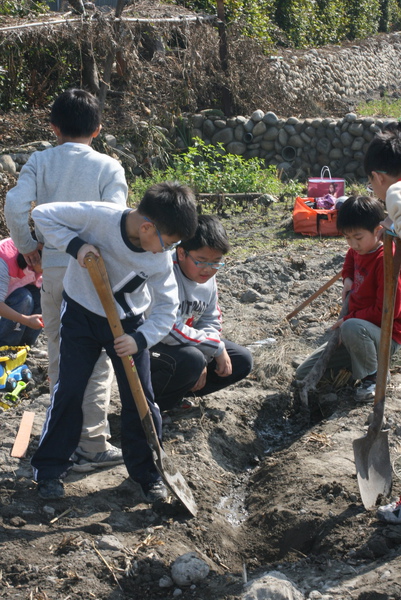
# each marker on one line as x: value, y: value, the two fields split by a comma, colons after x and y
x: 84, y: 462
x: 391, y: 513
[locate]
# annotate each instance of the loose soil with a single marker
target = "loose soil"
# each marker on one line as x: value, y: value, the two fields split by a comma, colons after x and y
x: 275, y: 485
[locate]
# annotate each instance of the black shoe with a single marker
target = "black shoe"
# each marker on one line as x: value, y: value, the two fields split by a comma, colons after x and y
x: 155, y: 491
x: 50, y: 489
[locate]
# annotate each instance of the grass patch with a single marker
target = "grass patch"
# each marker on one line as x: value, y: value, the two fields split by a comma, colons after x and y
x: 383, y: 107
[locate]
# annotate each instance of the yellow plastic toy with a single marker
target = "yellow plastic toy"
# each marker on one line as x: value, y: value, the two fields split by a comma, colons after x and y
x: 13, y: 367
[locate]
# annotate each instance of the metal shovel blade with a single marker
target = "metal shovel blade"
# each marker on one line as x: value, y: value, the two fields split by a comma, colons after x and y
x: 373, y: 467
x: 165, y: 466
x: 371, y: 452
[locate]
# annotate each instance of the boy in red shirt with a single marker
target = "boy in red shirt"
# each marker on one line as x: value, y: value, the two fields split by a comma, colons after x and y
x: 359, y: 219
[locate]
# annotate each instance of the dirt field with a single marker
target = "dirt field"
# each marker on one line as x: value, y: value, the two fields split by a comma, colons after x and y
x: 275, y: 486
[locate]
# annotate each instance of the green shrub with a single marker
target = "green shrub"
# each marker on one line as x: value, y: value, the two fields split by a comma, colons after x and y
x: 33, y: 74
x: 22, y: 8
x: 305, y: 23
x: 209, y: 169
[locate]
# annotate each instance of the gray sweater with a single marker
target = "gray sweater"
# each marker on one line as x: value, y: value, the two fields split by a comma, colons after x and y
x: 70, y: 172
x: 132, y: 271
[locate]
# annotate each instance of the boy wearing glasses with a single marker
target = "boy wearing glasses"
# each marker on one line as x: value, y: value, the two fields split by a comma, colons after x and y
x: 193, y: 358
x: 134, y: 244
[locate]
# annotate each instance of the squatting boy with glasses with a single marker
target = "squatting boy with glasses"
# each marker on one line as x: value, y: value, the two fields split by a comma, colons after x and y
x: 194, y: 359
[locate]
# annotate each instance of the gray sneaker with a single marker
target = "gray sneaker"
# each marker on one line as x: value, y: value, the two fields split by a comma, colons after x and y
x: 154, y: 492
x: 84, y: 462
x: 366, y: 391
x: 50, y: 489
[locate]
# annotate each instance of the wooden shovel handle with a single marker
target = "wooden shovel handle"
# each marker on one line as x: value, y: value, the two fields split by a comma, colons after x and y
x: 313, y: 296
x: 97, y: 271
x: 391, y: 274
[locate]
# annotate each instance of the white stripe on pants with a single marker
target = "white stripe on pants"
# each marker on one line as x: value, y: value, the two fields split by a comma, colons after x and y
x: 95, y: 428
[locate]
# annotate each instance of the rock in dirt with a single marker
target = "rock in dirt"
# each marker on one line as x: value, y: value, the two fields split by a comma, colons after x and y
x: 272, y: 586
x: 109, y: 542
x: 188, y: 569
x: 165, y: 582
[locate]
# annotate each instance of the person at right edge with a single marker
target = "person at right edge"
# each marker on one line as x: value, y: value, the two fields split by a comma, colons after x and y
x: 382, y: 163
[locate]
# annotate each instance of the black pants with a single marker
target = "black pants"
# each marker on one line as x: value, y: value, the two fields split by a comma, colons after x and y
x: 176, y: 369
x: 82, y: 337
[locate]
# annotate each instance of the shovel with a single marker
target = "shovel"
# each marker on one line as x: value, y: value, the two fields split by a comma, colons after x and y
x: 322, y: 289
x: 371, y: 452
x: 171, y: 477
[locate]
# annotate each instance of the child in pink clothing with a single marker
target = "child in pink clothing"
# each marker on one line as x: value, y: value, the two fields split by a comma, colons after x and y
x: 20, y: 313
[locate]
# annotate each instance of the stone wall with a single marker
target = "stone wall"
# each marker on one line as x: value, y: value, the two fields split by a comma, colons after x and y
x: 330, y: 75
x: 300, y: 147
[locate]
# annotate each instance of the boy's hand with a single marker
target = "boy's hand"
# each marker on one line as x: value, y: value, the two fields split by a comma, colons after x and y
x: 338, y: 324
x: 348, y: 283
x: 224, y: 367
x: 201, y: 381
x: 33, y: 259
x: 125, y: 345
x: 387, y: 223
x: 33, y: 321
x: 83, y: 251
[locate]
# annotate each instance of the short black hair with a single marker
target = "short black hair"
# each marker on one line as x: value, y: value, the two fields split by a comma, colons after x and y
x: 171, y: 207
x: 211, y: 233
x: 76, y: 113
x: 360, y: 212
x: 384, y: 151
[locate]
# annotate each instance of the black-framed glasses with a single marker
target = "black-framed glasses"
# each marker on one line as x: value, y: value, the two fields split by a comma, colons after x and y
x: 165, y: 247
x: 201, y: 264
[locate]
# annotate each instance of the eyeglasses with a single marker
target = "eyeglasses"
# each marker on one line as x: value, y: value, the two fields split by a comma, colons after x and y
x: 369, y: 186
x: 203, y: 264
x: 165, y: 247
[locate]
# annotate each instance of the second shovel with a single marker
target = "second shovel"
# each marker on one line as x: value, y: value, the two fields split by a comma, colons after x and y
x: 371, y: 452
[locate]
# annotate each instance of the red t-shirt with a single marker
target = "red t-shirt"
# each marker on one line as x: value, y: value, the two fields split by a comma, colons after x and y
x: 366, y: 297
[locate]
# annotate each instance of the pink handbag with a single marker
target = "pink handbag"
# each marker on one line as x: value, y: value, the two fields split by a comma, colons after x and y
x: 318, y: 187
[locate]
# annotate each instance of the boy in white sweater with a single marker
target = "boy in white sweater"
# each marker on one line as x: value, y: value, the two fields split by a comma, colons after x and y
x: 382, y: 163
x: 134, y: 245
x: 70, y: 172
x: 193, y: 359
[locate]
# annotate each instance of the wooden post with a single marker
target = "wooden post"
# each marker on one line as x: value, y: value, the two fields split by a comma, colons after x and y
x: 223, y: 52
x: 108, y: 64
